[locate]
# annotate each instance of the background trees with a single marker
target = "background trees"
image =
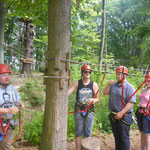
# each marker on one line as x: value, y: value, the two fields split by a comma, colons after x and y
x: 127, y: 31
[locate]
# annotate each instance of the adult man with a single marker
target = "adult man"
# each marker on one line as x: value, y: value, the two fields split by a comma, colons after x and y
x: 86, y: 89
x: 9, y: 104
x: 121, y: 108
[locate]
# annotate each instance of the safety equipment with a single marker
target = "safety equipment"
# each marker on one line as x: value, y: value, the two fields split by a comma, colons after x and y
x: 147, y: 77
x: 4, y: 69
x: 86, y: 67
x: 120, y: 69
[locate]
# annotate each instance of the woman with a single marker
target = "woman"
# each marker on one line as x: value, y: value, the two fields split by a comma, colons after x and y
x: 143, y: 115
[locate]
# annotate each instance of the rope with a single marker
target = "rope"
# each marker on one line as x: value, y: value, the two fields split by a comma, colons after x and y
x: 5, y: 129
x: 81, y: 63
x: 134, y: 94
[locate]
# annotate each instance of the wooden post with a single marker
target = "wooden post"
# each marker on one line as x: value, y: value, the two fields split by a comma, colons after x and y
x: 57, y: 60
x: 90, y: 143
x: 69, y: 75
x: 62, y: 81
x: 68, y: 56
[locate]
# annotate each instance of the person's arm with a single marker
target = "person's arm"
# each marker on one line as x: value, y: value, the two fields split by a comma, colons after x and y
x: 120, y: 114
x: 73, y: 87
x: 96, y: 99
x: 107, y: 88
x: 11, y: 110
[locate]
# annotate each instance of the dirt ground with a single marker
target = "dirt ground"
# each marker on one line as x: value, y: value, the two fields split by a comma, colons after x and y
x: 107, y: 142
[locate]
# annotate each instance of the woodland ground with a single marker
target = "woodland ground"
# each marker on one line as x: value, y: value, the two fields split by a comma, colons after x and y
x: 107, y: 141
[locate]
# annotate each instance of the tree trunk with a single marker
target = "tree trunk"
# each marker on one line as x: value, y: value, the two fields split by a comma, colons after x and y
x: 54, y: 131
x: 103, y: 34
x: 2, y: 16
x: 90, y: 143
x: 28, y: 50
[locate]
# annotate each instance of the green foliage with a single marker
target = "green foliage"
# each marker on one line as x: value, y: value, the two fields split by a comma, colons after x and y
x: 33, y: 129
x: 32, y: 92
x: 84, y: 37
x: 71, y: 125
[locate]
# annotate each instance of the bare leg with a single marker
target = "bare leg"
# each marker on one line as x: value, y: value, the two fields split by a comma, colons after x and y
x: 78, y: 142
x: 147, y: 143
x: 143, y: 142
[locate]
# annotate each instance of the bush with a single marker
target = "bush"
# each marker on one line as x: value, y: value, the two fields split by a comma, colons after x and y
x: 33, y: 92
x: 33, y: 129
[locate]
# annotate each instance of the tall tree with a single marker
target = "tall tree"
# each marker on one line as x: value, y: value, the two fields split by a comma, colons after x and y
x: 103, y: 33
x: 54, y: 131
x: 28, y: 51
x: 2, y: 16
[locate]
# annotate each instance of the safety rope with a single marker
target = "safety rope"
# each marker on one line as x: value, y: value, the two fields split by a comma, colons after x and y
x: 122, y: 97
x: 134, y: 94
x: 5, y: 129
x: 136, y: 90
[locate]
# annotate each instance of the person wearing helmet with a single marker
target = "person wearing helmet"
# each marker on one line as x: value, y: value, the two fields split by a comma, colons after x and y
x: 86, y: 90
x: 121, y: 108
x: 9, y: 102
x: 143, y: 118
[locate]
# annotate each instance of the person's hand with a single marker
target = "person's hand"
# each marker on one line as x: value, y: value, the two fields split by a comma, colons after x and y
x: 90, y: 100
x: 118, y: 115
x: 110, y: 82
x: 20, y: 104
x: 13, y: 110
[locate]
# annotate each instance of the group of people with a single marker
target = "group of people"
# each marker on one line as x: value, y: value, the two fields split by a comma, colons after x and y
x: 121, y: 102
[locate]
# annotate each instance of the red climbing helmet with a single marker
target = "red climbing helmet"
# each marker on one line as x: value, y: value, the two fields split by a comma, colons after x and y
x: 120, y: 68
x: 147, y: 77
x: 4, y: 69
x: 86, y: 67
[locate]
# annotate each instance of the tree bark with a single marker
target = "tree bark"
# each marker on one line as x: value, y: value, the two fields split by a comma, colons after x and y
x: 90, y: 143
x: 28, y: 50
x: 103, y: 34
x: 2, y: 18
x: 54, y: 131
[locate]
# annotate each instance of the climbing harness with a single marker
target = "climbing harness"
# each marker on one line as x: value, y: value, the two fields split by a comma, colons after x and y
x: 112, y: 116
x: 7, y: 127
x: 145, y: 111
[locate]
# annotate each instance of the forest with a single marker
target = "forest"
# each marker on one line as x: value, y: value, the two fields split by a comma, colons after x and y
x: 126, y: 38
x: 102, y: 33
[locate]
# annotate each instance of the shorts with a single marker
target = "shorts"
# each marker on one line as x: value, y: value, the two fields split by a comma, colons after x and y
x: 9, y: 136
x: 146, y: 125
x: 84, y: 125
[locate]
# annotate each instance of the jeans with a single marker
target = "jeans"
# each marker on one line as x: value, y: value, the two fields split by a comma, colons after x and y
x: 84, y: 125
x: 121, y: 132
